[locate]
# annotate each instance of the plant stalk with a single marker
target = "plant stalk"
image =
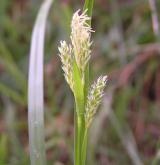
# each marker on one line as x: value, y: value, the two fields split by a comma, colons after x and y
x: 84, y: 147
x: 79, y: 132
x: 80, y: 94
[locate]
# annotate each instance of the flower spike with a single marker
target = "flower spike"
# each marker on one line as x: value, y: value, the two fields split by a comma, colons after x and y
x: 80, y: 38
x: 67, y: 62
x: 94, y: 98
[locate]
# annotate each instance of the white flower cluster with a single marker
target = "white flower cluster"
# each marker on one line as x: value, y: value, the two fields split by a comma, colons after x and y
x: 80, y: 47
x: 94, y: 98
x: 80, y: 38
x: 79, y: 52
x: 67, y: 62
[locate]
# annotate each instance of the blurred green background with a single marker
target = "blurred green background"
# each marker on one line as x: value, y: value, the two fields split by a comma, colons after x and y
x: 126, y: 47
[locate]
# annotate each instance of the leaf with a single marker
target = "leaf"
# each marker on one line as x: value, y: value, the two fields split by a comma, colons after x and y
x: 88, y: 5
x: 3, y: 149
x: 11, y: 93
x: 35, y: 88
x: 10, y: 65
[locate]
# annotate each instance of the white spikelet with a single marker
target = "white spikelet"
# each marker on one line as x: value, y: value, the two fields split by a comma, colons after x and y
x: 94, y: 98
x: 67, y: 62
x: 80, y: 38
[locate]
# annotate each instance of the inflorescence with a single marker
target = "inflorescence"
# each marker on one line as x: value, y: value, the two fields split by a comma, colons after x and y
x: 80, y: 51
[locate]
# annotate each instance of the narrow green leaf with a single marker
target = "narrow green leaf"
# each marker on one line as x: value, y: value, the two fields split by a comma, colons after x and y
x: 3, y: 149
x: 11, y: 66
x: 78, y: 89
x: 79, y: 113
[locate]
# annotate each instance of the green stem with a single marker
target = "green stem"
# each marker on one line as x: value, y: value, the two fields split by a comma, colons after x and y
x: 80, y: 136
x: 79, y: 131
x: 80, y: 94
x: 79, y: 114
x: 75, y: 138
x: 84, y: 146
x: 89, y: 6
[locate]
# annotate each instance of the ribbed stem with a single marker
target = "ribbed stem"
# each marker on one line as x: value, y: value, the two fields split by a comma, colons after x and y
x: 79, y: 132
x: 75, y: 138
x: 84, y: 146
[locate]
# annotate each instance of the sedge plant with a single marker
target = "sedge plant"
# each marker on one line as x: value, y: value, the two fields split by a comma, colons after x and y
x: 75, y: 58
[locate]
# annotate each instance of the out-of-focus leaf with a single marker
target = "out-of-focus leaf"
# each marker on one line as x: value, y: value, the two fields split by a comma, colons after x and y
x: 35, y: 88
x: 9, y: 64
x: 11, y: 93
x: 3, y: 149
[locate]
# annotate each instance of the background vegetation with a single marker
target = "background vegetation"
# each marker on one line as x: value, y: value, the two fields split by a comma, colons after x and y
x: 126, y: 48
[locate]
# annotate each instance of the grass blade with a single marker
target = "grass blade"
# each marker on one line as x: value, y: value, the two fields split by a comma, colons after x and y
x: 35, y: 88
x: 11, y: 67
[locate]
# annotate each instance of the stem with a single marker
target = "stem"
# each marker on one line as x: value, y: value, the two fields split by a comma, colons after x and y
x: 89, y: 6
x: 79, y: 114
x: 75, y: 139
x: 80, y: 120
x: 79, y: 131
x: 84, y: 146
x: 80, y: 94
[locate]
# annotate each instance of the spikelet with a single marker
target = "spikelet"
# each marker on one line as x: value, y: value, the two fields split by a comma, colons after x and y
x: 67, y: 62
x: 80, y: 38
x: 94, y: 99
